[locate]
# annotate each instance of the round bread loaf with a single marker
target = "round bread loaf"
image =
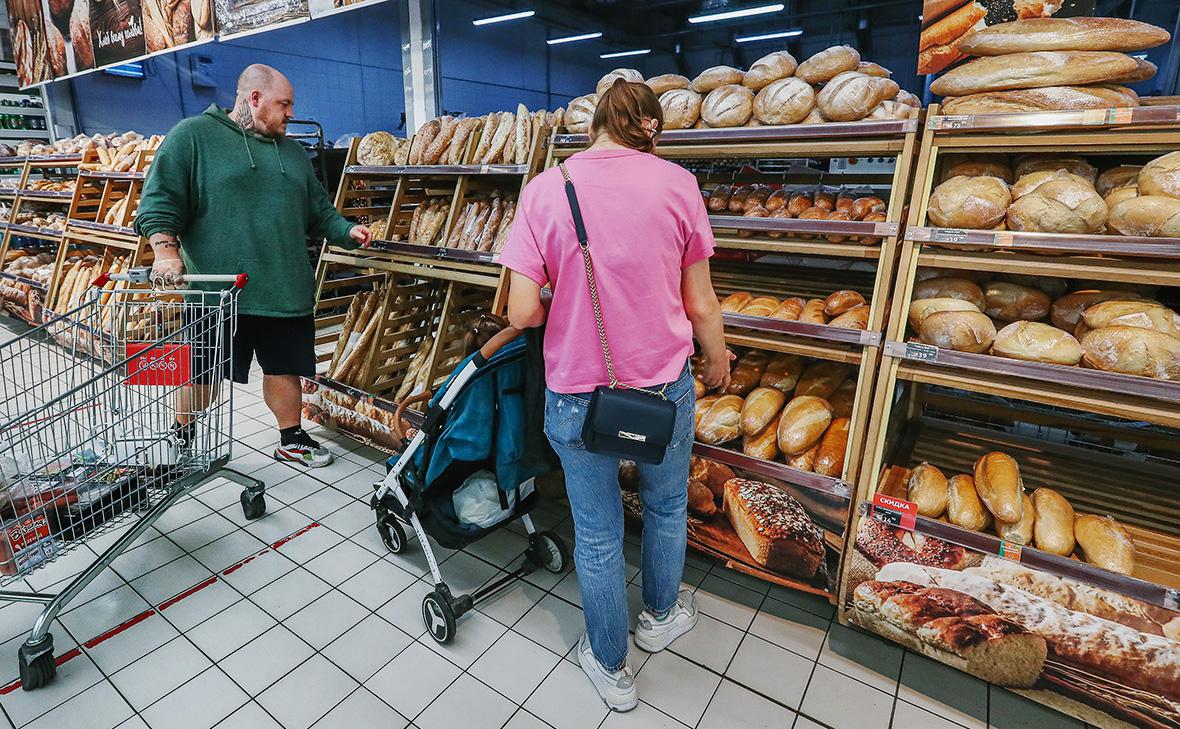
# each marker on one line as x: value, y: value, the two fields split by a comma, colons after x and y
x: 1033, y: 180
x: 579, y: 113
x: 1132, y: 351
x: 827, y: 64
x: 1149, y: 215
x: 717, y: 76
x: 980, y: 167
x: 1059, y: 206
x: 682, y: 108
x: 1033, y: 70
x: 905, y: 97
x: 377, y: 148
x: 850, y: 96
x: 1036, y: 342
x: 666, y: 82
x: 891, y: 89
x: 869, y: 68
x: 1161, y: 176
x: 784, y: 101
x: 927, y: 487
x: 950, y: 288
x: 1132, y: 313
x: 962, y: 331
x: 730, y: 105
x: 627, y: 74
x: 892, y: 111
x: 1117, y: 177
x: 1118, y: 195
x: 770, y: 67
x: 813, y: 117
x: 923, y: 308
x: 1027, y: 164
x: 1066, y: 312
x: 1007, y: 301
x: 969, y: 202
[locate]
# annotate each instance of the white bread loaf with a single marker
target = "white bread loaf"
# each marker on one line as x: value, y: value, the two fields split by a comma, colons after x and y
x: 1067, y: 310
x: 869, y: 68
x: 1143, y: 314
x: 784, y: 101
x: 850, y: 96
x: 1063, y: 34
x: 905, y: 97
x: 813, y: 117
x: 980, y: 167
x: 1117, y: 177
x: 962, y: 331
x: 1030, y: 163
x: 1033, y: 180
x: 666, y: 82
x: 1147, y: 215
x: 923, y: 308
x: 712, y: 78
x: 1161, y: 176
x: 1033, y: 70
x: 1049, y: 98
x: 627, y: 74
x: 1008, y: 302
x: 730, y: 105
x: 1036, y: 342
x: 945, y: 287
x: 1132, y: 351
x: 682, y: 108
x: 1118, y: 195
x: 578, y: 114
x: 1059, y: 206
x: 769, y: 68
x: 827, y: 64
x: 892, y: 111
x: 969, y: 202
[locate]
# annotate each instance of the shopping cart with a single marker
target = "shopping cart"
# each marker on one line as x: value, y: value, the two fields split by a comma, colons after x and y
x: 467, y: 429
x: 91, y: 405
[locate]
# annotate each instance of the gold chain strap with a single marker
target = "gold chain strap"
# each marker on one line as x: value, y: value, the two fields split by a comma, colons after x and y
x: 610, y: 367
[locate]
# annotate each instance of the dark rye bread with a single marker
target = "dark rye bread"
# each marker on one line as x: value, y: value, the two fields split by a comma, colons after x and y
x: 882, y: 545
x: 774, y: 527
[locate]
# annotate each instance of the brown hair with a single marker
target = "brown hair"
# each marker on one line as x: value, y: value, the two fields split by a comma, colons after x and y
x: 621, y: 111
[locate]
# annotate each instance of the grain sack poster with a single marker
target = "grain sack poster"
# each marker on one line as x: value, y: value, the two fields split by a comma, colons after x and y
x: 236, y: 17
x: 946, y: 22
x: 116, y: 31
x: 31, y: 40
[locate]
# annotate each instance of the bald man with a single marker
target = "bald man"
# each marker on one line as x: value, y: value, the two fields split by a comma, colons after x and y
x: 229, y: 193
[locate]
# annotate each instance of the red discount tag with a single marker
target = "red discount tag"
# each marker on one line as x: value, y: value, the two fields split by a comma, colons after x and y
x: 895, y: 512
x: 164, y: 364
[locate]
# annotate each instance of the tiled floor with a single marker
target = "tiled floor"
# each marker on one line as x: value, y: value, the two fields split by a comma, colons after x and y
x: 325, y: 631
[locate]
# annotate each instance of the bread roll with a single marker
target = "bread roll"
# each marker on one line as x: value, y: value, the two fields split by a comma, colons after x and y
x: 1117, y: 177
x: 1105, y: 543
x: 892, y: 111
x: 813, y: 312
x: 737, y: 200
x: 716, y: 77
x: 842, y: 301
x: 927, y: 487
x: 969, y: 202
x: 1066, y: 312
x: 721, y: 422
x: 950, y: 288
x: 843, y: 399
x: 1053, y: 530
x: 850, y: 96
x: 761, y: 407
x: 962, y: 331
x: 783, y: 372
x: 1148, y: 215
x: 718, y: 200
x: 784, y: 101
x: 1030, y: 163
x: 833, y: 447
x: 1049, y: 98
x: 979, y: 167
x: 763, y: 444
x: 627, y: 74
x: 1010, y: 302
x: 769, y: 68
x: 1161, y: 176
x: 803, y: 423
x: 1020, y: 532
x: 857, y: 318
x: 728, y: 106
x: 789, y: 310
x: 1114, y: 197
x: 1033, y: 70
x: 923, y: 308
x: 682, y: 108
x: 869, y: 68
x: 827, y: 64
x: 743, y: 378
x: 1132, y: 351
x: 1033, y: 180
x: 821, y: 379
x: 735, y: 302
x: 666, y: 82
x: 1144, y: 314
x: 963, y: 506
x: 862, y: 207
x: 577, y: 115
x: 805, y: 461
x: 998, y: 483
x: 1035, y: 342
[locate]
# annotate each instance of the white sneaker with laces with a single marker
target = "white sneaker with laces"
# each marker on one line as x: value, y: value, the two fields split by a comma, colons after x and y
x: 617, y: 688
x: 653, y: 635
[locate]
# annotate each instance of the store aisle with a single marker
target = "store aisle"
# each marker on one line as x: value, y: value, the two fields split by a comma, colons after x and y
x: 304, y: 619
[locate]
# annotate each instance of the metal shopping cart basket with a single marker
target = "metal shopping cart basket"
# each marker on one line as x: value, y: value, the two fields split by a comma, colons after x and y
x: 91, y: 406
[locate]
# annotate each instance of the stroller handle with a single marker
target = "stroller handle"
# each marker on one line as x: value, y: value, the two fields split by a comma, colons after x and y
x: 493, y: 345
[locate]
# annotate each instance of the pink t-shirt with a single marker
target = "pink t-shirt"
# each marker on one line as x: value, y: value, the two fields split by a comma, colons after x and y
x: 646, y: 221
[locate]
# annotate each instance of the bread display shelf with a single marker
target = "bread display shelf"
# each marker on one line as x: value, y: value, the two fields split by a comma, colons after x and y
x: 107, y: 175
x: 801, y: 329
x: 432, y: 252
x: 46, y: 196
x: 435, y: 170
x: 34, y: 232
x: 798, y: 247
x: 771, y: 469
x: 1063, y: 243
x: 42, y: 160
x: 26, y: 281
x: 1143, y: 116
x: 798, y: 225
x: 766, y: 133
x: 120, y: 230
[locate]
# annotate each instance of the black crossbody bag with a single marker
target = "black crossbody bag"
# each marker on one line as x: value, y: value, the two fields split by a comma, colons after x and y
x: 624, y: 421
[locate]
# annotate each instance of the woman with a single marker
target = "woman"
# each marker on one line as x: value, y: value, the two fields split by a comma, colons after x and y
x: 650, y: 243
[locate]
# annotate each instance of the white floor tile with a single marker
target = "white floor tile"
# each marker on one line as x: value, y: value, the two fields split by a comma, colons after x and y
x: 259, y: 571
x: 474, y: 634
x: 201, y: 532
x: 311, y: 544
x: 728, y: 602
x: 326, y: 619
x: 224, y: 493
x: 553, y: 623
x: 290, y: 593
x: 911, y: 717
x: 502, y: 548
x: 784, y: 684
x: 352, y: 518
x: 677, y: 687
x: 510, y: 604
x: 524, y: 720
x: 155, y: 675
x: 412, y: 680
x: 567, y: 699
x: 405, y: 610
x: 100, y: 704
x: 278, y: 524
x: 366, y: 647
x: 171, y: 579
x: 864, y: 657
x: 133, y: 643
x: 231, y: 629
x: 837, y: 700
x: 790, y: 627
x: 92, y: 618
x: 229, y: 549
x: 73, y: 677
x: 250, y: 716
x: 183, y: 512
x: 266, y: 659
x: 374, y: 585
x: 323, y: 502
x: 295, y: 487
x: 711, y: 643
x: 464, y: 573
x: 362, y: 709
x: 340, y: 562
x: 944, y: 691
x: 816, y: 604
x: 467, y: 703
x: 197, y: 607
x: 734, y: 707
x: 309, y: 692
x: 643, y: 716
x: 514, y: 666
x: 568, y: 589
x: 141, y: 560
x: 199, y: 704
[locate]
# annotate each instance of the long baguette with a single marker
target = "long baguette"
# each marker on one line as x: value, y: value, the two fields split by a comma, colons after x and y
x: 1033, y: 70
x: 352, y: 363
x: 487, y: 234
x: 504, y: 129
x: 1064, y: 34
x: 362, y: 319
x: 953, y: 26
x: 354, y: 309
x: 488, y: 130
x: 505, y: 227
x: 417, y: 361
x: 457, y: 229
x: 520, y: 144
x: 442, y: 140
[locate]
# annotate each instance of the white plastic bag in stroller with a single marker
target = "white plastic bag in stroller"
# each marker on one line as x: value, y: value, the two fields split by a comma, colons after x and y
x: 477, y: 501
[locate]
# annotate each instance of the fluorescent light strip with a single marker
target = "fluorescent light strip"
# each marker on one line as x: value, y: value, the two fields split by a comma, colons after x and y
x: 769, y: 36
x: 620, y: 54
x: 731, y: 14
x: 503, y: 18
x: 572, y: 38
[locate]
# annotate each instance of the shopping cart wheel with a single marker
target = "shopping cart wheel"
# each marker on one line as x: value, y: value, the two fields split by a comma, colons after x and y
x: 253, y: 505
x: 439, y: 617
x: 37, y: 666
x: 547, y: 550
x: 391, y: 531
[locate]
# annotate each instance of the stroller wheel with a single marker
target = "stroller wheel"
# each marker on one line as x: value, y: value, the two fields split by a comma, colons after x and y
x: 391, y: 531
x: 439, y: 617
x: 549, y: 551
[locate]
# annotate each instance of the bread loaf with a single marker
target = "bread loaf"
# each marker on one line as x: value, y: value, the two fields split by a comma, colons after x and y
x: 1011, y: 302
x: 716, y: 77
x: 1105, y: 543
x: 760, y: 306
x: 969, y: 202
x: 627, y: 74
x: 789, y: 310
x: 842, y: 301
x: 799, y: 202
x: 1054, y: 527
x: 843, y: 399
x: 1132, y: 351
x: 682, y: 108
x: 923, y: 308
x: 784, y: 101
x: 1148, y: 215
x: 1030, y: 163
x: 718, y: 200
x: 850, y: 96
x: 803, y: 423
x: 666, y: 82
x: 735, y: 302
x: 1059, y: 206
x: 743, y: 378
x: 821, y: 379
x: 862, y: 207
x: 577, y: 115
x: 769, y: 68
x: 729, y: 105
x: 827, y: 64
x: 979, y: 167
x: 763, y: 444
x: 1066, y: 312
x: 1036, y: 342
x: 892, y: 111
x: 857, y: 318
x: 1117, y: 177
x: 927, y: 487
x: 376, y: 148
x: 805, y: 461
x: 833, y: 447
x: 1145, y: 314
x: 963, y: 506
x: 813, y: 312
x: 721, y: 422
x: 1033, y: 180
x: 711, y: 473
x: 1020, y: 532
x: 774, y: 527
x: 1118, y: 195
x: 1049, y: 98
x: 998, y: 483
x: 962, y: 331
x: 783, y: 372
x: 761, y: 407
x: 1063, y: 34
x: 950, y: 288
x: 869, y: 68
x: 1161, y: 176
x: 1033, y: 70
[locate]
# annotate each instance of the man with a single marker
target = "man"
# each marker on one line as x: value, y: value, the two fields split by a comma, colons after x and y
x: 229, y: 193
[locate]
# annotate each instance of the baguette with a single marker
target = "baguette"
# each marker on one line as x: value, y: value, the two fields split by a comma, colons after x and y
x: 1033, y: 70
x: 505, y: 227
x: 833, y: 447
x: 487, y: 234
x: 937, y: 58
x: 442, y: 140
x: 519, y: 145
x: 1054, y: 527
x: 1105, y: 543
x: 423, y: 140
x: 953, y: 26
x: 488, y: 125
x: 998, y: 483
x: 1064, y: 34
x: 505, y: 124
x: 803, y: 423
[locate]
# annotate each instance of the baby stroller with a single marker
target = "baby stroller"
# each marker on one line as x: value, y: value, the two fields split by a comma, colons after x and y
x: 476, y: 422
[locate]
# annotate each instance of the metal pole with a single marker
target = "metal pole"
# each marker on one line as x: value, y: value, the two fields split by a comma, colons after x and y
x: 419, y: 62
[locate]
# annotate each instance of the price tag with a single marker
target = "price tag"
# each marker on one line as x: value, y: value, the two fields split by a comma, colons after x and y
x: 1004, y: 239
x: 1092, y: 117
x: 950, y: 122
x: 949, y: 235
x: 921, y: 352
x: 1121, y: 116
x: 1010, y: 550
x: 894, y: 511
x: 1172, y: 599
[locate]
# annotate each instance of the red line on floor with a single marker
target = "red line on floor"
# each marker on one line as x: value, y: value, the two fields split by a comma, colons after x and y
x: 189, y: 592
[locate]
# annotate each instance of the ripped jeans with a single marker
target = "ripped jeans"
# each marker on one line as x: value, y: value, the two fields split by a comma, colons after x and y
x: 592, y: 484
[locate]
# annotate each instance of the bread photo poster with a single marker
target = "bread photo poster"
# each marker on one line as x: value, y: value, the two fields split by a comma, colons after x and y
x: 946, y: 22
x: 320, y: 8
x: 235, y: 17
x: 116, y: 31
x: 30, y: 47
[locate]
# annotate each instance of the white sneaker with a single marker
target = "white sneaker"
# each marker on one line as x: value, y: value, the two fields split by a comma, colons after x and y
x: 617, y: 689
x: 654, y: 635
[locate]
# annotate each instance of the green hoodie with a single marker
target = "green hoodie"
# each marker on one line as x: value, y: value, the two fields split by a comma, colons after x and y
x: 241, y: 203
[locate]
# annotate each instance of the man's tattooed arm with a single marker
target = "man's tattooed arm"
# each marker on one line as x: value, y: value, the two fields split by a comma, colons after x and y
x: 243, y: 117
x: 165, y: 244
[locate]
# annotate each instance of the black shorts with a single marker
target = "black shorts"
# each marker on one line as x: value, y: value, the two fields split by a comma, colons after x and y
x: 283, y: 345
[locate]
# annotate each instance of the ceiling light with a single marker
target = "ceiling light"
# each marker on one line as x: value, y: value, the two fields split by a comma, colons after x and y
x: 620, y: 54
x: 502, y: 18
x: 769, y: 36
x: 572, y: 38
x: 731, y: 14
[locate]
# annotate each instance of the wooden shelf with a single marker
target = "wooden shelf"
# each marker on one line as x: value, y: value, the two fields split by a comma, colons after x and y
x: 831, y: 130
x: 431, y: 252
x: 435, y: 170
x: 800, y: 329
x: 797, y: 225
x: 1068, y: 244
x: 1141, y: 117
x: 107, y: 175
x: 772, y: 469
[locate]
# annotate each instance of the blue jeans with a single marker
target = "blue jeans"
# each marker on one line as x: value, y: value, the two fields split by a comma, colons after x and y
x: 592, y: 484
